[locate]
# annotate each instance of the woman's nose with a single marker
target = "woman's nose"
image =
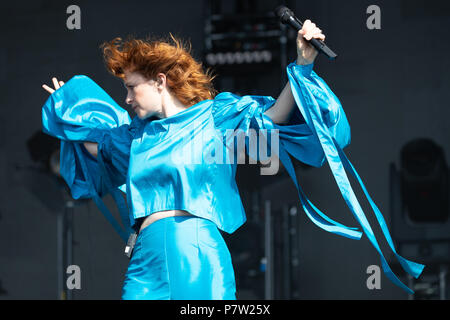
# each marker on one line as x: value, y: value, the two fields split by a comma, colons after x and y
x: 128, y: 100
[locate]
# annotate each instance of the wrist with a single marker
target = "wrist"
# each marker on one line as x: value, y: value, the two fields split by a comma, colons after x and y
x: 304, y: 69
x: 303, y: 62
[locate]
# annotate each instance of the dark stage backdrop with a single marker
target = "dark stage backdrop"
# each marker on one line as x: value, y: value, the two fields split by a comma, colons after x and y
x: 393, y: 84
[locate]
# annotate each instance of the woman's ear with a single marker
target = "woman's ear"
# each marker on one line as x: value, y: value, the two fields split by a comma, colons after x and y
x: 161, y: 80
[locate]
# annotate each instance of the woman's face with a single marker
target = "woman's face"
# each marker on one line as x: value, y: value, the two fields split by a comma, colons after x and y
x: 143, y: 95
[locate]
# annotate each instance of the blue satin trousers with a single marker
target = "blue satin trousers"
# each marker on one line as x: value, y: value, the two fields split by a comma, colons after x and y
x: 180, y: 258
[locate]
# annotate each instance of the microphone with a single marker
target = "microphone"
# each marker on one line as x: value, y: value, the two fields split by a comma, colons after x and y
x: 287, y: 17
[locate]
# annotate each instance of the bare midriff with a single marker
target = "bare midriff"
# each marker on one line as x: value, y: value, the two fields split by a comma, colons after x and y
x: 162, y: 214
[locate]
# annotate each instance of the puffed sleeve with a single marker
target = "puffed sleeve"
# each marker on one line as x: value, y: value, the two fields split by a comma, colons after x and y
x: 232, y: 112
x: 81, y: 111
x: 317, y: 131
x: 235, y: 114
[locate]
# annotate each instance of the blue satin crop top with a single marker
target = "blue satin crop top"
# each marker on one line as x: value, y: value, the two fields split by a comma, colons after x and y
x: 188, y: 161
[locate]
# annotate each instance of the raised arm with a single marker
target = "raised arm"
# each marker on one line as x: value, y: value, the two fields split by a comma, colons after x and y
x: 306, y: 54
x: 92, y: 147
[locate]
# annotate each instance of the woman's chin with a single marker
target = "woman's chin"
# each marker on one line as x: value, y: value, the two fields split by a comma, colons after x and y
x: 145, y: 115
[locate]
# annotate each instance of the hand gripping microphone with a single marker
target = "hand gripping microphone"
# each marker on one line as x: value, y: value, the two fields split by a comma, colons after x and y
x: 287, y: 17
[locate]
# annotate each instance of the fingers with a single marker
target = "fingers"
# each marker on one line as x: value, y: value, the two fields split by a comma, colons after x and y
x: 317, y: 35
x: 57, y: 84
x: 310, y: 30
x: 47, y: 88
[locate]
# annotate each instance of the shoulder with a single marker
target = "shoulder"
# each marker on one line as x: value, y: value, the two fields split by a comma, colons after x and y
x: 231, y: 111
x: 224, y: 99
x: 227, y: 101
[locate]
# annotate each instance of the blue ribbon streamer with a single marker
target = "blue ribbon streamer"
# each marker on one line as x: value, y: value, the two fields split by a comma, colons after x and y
x: 413, y: 268
x: 336, y: 157
x: 314, y: 214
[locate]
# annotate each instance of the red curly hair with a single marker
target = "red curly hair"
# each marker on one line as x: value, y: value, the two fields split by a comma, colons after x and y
x: 185, y: 76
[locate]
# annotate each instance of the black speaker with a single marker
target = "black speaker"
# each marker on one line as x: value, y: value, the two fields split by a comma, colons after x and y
x: 419, y: 196
x: 424, y: 182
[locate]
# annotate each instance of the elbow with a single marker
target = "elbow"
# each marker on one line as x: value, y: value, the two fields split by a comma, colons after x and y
x: 277, y: 117
x: 92, y: 148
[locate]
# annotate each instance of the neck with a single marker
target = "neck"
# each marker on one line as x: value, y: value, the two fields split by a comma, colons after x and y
x: 171, y: 106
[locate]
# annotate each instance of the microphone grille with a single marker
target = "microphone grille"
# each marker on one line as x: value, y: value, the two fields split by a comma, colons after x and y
x: 283, y: 13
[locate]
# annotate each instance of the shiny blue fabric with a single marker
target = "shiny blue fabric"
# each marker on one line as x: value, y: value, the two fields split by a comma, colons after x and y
x: 163, y: 164
x: 180, y: 258
x: 82, y: 111
x: 312, y: 106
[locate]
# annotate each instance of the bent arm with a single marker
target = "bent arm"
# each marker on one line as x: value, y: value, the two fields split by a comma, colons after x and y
x: 82, y: 114
x: 281, y: 111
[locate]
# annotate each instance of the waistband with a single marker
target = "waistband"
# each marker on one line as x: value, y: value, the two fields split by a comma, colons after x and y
x: 158, y: 216
x: 178, y: 222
